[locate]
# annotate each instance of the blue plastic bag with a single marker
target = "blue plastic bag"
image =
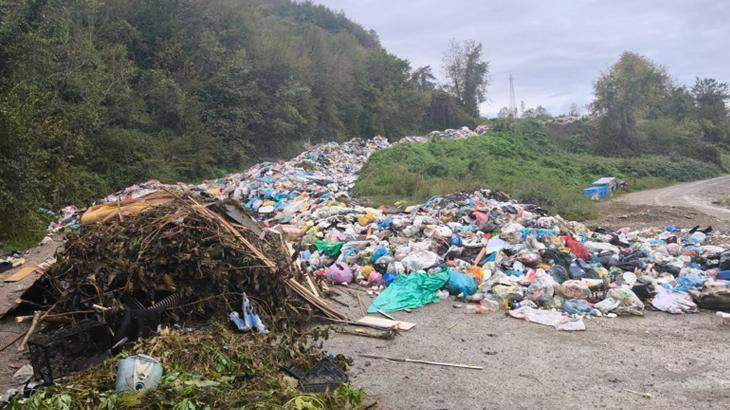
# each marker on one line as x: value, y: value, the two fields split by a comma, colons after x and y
x: 380, y: 252
x: 461, y: 283
x: 578, y: 307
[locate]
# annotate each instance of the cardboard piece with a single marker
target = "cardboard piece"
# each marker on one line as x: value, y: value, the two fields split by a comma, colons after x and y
x: 386, y: 323
x: 20, y: 275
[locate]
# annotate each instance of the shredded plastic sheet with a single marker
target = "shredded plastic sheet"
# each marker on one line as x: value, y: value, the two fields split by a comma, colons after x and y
x: 410, y: 292
x: 673, y: 302
x: 552, y: 318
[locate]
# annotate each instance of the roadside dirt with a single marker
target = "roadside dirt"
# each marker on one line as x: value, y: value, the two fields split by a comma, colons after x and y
x: 10, y: 358
x: 698, y: 195
x: 683, y: 205
x: 679, y: 361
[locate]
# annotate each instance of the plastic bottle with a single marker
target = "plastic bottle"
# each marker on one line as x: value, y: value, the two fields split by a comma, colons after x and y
x: 475, y: 309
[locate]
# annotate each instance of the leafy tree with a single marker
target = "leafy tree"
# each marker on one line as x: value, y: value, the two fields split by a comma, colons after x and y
x: 445, y: 111
x: 709, y: 97
x: 423, y: 78
x: 622, y: 96
x: 678, y: 105
x: 574, y: 110
x: 467, y: 72
x: 537, y: 113
x: 99, y: 94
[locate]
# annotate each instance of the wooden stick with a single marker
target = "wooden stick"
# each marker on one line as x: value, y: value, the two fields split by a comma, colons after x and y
x: 363, y: 311
x: 479, y: 256
x: 638, y: 393
x: 314, y: 300
x: 351, y: 323
x: 100, y: 308
x: 311, y: 286
x: 12, y: 342
x: 382, y: 334
x: 406, y: 360
x: 33, y: 324
x: 210, y: 214
x: 387, y: 316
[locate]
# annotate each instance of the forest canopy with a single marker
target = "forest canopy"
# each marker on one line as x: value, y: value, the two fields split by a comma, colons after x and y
x: 98, y: 94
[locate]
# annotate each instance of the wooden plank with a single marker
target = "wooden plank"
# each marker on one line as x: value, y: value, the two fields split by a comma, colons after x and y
x: 386, y: 323
x: 20, y: 275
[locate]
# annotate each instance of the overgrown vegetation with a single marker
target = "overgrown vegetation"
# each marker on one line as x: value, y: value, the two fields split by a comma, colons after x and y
x: 209, y: 368
x: 522, y: 160
x: 96, y: 95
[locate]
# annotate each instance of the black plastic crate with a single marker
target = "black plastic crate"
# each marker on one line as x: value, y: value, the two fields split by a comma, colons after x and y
x: 325, y: 375
x: 69, y: 350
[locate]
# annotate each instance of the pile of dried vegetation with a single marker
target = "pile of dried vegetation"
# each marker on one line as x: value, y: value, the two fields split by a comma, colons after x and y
x: 183, y: 264
x: 183, y: 260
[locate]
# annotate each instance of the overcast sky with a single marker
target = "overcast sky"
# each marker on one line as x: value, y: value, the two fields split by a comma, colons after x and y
x: 554, y: 49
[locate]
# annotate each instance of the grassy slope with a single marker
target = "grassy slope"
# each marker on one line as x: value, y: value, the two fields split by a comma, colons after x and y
x: 524, y: 163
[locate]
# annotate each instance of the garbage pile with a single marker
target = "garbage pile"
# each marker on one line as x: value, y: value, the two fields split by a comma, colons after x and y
x: 481, y: 247
x: 489, y: 250
x: 448, y: 134
x: 179, y: 261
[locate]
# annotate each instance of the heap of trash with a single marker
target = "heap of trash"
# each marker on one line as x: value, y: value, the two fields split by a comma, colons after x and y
x: 257, y: 250
x: 174, y: 256
x: 448, y: 134
x: 481, y: 247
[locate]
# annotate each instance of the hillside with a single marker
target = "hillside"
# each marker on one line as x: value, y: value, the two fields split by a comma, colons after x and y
x: 524, y: 162
x: 95, y: 96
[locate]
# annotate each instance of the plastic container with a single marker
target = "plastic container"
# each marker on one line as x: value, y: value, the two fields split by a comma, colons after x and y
x: 138, y: 373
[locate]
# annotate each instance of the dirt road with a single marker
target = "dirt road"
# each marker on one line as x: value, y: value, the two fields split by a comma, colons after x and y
x: 683, y: 205
x: 698, y: 195
x: 678, y: 361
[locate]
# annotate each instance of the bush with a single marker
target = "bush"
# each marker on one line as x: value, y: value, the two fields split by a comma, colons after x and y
x: 524, y: 162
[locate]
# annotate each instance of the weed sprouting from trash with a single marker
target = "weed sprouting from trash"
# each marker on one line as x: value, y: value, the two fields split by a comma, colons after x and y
x: 211, y: 367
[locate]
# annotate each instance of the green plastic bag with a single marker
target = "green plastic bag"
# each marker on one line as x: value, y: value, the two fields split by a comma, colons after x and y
x: 329, y: 249
x: 410, y: 292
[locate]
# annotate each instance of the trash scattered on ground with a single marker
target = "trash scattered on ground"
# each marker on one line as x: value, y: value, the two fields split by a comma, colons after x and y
x: 138, y: 373
x: 250, y: 321
x: 325, y: 375
x: 482, y: 247
x: 155, y: 255
x: 558, y: 320
x: 24, y: 373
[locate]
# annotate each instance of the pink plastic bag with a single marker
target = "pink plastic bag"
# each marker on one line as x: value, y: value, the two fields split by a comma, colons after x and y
x: 339, y: 273
x: 375, y: 278
x: 481, y: 217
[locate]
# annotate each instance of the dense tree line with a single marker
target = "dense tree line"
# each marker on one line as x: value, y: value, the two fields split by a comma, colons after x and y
x: 99, y: 94
x: 639, y: 109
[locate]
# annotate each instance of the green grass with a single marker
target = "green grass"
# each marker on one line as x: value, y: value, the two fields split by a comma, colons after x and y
x: 523, y: 162
x: 27, y: 235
